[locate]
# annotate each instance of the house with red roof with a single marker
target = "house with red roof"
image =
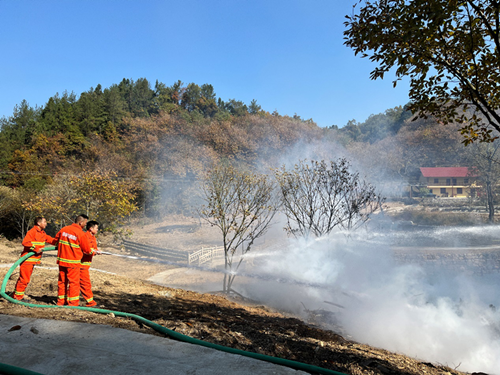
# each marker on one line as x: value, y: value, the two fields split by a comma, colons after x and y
x: 449, y: 181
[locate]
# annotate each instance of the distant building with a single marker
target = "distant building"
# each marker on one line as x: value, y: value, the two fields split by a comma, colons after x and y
x: 449, y: 181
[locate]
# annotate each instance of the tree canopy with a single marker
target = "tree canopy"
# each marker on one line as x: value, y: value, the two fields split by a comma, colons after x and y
x: 319, y: 196
x: 450, y: 51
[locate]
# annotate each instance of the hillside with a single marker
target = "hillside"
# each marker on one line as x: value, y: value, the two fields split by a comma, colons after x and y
x: 234, y: 322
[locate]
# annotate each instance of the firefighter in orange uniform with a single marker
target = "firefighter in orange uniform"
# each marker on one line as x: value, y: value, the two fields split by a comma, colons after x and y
x: 34, y: 241
x: 85, y: 284
x: 72, y: 244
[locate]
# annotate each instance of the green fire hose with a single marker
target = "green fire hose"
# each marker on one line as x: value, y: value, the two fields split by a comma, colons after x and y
x: 158, y: 328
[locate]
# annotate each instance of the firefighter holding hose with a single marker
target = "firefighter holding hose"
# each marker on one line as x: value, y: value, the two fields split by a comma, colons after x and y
x: 72, y: 245
x: 85, y: 284
x: 34, y: 241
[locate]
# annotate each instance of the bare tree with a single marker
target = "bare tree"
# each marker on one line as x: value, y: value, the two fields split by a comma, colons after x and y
x: 241, y: 204
x: 484, y: 159
x: 317, y: 197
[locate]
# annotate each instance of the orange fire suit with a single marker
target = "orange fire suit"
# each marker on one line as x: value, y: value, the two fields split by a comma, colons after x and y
x: 85, y: 284
x: 72, y: 244
x: 34, y: 240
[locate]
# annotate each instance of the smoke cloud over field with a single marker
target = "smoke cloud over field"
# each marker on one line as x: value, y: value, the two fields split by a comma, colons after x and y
x: 441, y: 316
x: 356, y: 287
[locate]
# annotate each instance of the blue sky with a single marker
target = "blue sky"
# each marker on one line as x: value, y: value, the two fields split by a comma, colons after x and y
x: 288, y: 55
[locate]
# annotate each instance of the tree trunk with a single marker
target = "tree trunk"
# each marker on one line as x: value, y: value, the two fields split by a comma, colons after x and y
x: 230, y: 283
x: 225, y: 281
x: 491, y: 205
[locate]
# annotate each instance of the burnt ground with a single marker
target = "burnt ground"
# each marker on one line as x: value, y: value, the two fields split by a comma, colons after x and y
x: 230, y: 321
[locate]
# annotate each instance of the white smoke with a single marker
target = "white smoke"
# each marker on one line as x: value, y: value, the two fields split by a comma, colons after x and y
x: 441, y: 317
x: 425, y: 312
x: 445, y: 318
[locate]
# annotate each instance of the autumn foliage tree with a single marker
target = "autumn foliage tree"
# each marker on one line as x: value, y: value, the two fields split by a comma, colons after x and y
x: 99, y: 194
x: 103, y: 196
